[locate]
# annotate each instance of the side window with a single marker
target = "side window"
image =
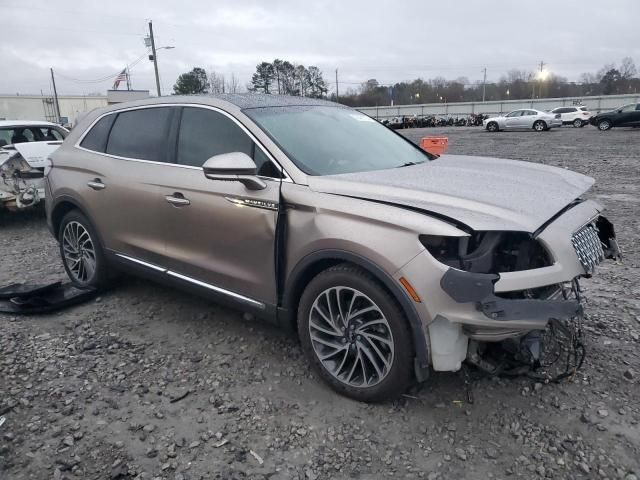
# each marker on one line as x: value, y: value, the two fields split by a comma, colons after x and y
x: 628, y: 108
x: 638, y: 106
x: 517, y: 113
x: 50, y: 134
x: 205, y: 133
x: 531, y: 112
x: 141, y: 134
x: 96, y: 139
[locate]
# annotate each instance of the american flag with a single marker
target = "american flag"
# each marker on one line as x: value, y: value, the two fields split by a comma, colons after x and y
x: 121, y: 76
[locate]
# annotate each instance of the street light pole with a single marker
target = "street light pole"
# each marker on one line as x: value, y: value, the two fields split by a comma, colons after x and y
x: 155, y: 58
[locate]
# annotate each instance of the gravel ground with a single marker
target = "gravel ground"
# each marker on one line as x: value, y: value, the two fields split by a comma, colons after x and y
x: 147, y: 382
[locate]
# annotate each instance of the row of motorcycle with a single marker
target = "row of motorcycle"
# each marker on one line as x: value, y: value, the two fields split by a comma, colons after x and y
x: 472, y: 120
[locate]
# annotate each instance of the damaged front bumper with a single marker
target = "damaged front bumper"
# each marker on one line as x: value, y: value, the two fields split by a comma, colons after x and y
x: 461, y: 307
x: 512, y: 316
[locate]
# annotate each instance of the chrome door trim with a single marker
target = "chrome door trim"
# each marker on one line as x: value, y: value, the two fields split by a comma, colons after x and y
x: 140, y: 262
x: 186, y: 278
x: 223, y: 291
x: 286, y: 178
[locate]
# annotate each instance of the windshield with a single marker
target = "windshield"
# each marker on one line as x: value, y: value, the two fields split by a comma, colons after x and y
x: 331, y: 140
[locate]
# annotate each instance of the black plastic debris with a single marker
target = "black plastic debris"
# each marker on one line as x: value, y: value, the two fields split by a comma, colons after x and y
x: 19, y: 298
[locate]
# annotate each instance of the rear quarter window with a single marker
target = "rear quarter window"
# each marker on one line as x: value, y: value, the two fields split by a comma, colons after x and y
x: 96, y: 138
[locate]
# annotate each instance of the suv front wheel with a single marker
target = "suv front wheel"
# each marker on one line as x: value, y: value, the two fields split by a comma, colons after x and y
x: 355, y: 334
x: 81, y: 251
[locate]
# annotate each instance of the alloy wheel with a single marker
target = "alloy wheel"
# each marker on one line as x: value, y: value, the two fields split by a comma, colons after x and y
x: 539, y: 126
x: 79, y: 252
x: 351, y: 337
x: 604, y: 125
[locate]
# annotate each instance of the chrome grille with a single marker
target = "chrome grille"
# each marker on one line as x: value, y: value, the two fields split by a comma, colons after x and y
x: 588, y: 247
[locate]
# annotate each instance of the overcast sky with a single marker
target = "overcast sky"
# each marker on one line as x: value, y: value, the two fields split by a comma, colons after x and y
x: 84, y: 41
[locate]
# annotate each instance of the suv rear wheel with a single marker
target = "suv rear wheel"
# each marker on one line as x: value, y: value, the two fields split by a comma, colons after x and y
x: 81, y: 252
x: 355, y: 334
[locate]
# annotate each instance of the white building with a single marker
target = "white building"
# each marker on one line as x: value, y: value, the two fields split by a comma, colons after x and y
x: 72, y: 107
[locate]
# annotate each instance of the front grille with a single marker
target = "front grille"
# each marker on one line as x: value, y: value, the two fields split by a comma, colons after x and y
x: 588, y: 247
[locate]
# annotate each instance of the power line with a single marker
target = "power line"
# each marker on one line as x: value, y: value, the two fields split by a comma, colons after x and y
x: 108, y: 77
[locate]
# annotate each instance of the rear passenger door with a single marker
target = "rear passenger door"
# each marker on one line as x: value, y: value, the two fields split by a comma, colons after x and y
x: 120, y: 176
x: 222, y: 235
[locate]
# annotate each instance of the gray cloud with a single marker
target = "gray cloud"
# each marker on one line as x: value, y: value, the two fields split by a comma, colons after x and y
x: 390, y: 41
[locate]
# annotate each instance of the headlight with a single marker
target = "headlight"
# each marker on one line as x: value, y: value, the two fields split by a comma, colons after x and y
x: 488, y: 252
x: 48, y: 165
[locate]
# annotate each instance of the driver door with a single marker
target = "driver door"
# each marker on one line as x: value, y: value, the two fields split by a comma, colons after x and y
x: 514, y: 119
x: 219, y: 234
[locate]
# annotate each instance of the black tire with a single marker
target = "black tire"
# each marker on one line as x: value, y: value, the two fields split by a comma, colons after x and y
x: 604, y: 124
x: 492, y: 127
x: 398, y: 376
x: 101, y: 275
x: 577, y: 123
x: 540, y: 125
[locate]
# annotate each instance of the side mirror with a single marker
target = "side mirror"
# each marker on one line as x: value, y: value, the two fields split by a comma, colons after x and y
x: 234, y: 167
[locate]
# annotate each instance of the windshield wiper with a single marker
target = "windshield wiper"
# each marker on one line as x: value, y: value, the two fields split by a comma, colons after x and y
x: 409, y: 164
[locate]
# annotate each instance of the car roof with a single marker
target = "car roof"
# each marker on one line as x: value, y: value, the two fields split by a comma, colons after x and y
x: 230, y: 101
x: 26, y: 123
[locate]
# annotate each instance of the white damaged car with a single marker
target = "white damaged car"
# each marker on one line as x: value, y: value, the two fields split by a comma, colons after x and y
x: 24, y: 148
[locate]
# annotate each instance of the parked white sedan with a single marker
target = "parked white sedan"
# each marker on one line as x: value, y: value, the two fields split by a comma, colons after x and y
x: 524, y: 119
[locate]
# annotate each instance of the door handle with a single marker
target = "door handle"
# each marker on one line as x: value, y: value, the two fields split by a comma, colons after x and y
x: 96, y: 184
x: 177, y: 199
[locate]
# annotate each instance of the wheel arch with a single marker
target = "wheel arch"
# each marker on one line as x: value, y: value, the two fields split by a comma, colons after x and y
x: 314, y: 263
x: 61, y: 207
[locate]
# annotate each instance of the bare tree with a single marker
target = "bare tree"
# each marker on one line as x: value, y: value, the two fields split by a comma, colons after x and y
x: 216, y: 82
x: 233, y: 84
x: 627, y: 68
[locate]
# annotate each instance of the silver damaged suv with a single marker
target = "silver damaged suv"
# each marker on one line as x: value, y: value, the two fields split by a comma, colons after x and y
x: 386, y: 260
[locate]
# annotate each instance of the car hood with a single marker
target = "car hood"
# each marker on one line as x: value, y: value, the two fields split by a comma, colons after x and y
x: 35, y: 153
x: 482, y: 193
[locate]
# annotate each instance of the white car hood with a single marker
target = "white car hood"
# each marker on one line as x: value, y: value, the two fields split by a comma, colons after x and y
x: 482, y: 193
x: 35, y: 152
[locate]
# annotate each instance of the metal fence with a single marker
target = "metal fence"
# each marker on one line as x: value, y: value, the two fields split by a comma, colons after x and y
x: 595, y: 104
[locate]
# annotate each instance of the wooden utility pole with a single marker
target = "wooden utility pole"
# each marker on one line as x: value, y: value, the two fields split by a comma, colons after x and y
x: 155, y: 57
x: 484, y: 83
x: 337, y: 95
x: 55, y: 96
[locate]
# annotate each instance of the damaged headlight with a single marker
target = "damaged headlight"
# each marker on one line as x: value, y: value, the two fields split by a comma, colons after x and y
x: 488, y: 252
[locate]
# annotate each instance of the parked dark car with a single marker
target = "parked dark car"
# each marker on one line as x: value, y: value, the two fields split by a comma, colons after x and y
x: 627, y: 116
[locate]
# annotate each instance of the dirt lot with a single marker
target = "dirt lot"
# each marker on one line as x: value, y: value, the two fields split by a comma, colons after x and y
x: 96, y: 391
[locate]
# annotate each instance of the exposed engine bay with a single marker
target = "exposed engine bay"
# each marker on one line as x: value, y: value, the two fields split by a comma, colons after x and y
x: 21, y: 186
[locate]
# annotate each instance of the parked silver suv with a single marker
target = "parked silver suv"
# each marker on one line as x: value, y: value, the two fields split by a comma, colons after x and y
x: 387, y: 260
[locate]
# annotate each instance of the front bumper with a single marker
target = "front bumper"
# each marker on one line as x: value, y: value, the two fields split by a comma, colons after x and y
x: 458, y: 305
